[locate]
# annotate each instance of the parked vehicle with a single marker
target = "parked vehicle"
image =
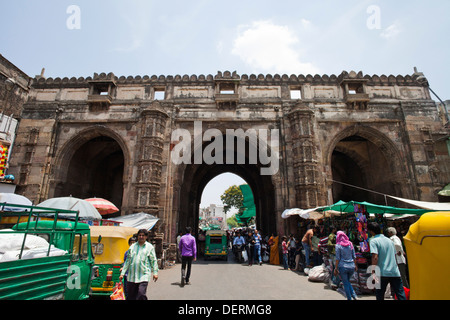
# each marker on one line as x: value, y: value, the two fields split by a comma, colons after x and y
x: 109, y: 246
x: 427, y: 246
x: 216, y: 244
x: 45, y: 258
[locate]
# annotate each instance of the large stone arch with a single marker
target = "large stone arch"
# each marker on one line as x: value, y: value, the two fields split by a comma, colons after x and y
x: 388, y: 179
x: 65, y: 152
x: 69, y: 149
x: 192, y: 178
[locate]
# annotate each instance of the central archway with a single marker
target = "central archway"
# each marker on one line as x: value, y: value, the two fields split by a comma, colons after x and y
x: 195, y: 177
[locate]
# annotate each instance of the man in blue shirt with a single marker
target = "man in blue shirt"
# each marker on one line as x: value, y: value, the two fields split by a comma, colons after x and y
x: 383, y: 256
x: 238, y: 245
x: 238, y: 240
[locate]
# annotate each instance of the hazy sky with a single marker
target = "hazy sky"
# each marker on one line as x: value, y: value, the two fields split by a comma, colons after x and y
x: 142, y: 37
x: 217, y: 186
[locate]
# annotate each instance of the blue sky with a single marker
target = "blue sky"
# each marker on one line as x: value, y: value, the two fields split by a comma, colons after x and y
x: 141, y: 37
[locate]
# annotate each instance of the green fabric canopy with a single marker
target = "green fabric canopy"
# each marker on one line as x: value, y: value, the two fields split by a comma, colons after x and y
x: 248, y: 205
x: 445, y: 192
x: 349, y: 206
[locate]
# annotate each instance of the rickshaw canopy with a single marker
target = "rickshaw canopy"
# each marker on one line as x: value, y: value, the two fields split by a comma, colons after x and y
x: 113, y: 244
x: 428, y: 250
x: 432, y: 224
x: 113, y: 231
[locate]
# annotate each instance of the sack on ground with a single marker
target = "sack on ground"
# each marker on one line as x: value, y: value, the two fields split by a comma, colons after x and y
x: 318, y: 274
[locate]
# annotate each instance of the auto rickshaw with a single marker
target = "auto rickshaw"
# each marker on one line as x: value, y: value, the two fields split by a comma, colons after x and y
x: 109, y: 244
x: 216, y: 244
x: 428, y: 250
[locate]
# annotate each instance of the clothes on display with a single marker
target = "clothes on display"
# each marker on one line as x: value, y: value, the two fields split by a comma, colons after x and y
x: 354, y: 224
x: 361, y: 226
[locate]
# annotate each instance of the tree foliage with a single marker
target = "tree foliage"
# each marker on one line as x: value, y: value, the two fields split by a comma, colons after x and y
x: 232, y: 197
x: 232, y: 222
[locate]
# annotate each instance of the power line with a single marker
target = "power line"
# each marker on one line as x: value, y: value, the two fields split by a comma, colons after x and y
x: 350, y: 185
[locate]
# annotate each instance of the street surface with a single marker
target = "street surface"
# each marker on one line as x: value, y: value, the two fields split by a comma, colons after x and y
x: 228, y: 280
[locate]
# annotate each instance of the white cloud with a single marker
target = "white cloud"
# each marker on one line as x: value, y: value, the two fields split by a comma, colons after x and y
x: 273, y: 48
x: 391, y: 32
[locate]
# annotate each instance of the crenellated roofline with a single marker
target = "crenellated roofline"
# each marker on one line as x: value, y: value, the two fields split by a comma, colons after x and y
x: 253, y: 79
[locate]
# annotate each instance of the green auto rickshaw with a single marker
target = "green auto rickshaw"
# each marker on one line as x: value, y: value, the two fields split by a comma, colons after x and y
x: 216, y: 244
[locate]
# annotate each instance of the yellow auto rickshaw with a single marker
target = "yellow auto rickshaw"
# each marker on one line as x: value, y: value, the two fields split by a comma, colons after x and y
x: 428, y: 250
x: 109, y: 244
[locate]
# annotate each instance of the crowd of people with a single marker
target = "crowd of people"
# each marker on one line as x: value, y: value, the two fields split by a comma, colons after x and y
x: 248, y: 244
x: 298, y: 254
x: 388, y: 262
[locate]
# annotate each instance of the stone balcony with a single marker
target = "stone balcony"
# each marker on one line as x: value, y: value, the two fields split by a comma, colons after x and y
x: 99, y: 101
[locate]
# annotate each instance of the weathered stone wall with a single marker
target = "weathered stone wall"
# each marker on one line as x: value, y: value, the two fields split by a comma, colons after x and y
x: 14, y: 88
x: 394, y: 117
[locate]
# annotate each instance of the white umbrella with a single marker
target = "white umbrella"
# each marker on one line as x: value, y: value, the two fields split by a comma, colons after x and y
x: 139, y: 220
x: 305, y: 214
x: 13, y: 198
x: 87, y: 210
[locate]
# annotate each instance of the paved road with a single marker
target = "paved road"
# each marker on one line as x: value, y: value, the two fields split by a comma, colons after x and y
x: 220, y: 280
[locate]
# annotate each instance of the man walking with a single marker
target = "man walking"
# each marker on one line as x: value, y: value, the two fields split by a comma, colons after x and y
x: 140, y: 263
x: 399, y: 255
x: 188, y: 249
x: 383, y: 256
x: 257, y: 247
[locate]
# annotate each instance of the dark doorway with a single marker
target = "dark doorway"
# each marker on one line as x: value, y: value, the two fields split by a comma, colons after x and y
x: 95, y: 170
x: 361, y: 171
x: 347, y: 171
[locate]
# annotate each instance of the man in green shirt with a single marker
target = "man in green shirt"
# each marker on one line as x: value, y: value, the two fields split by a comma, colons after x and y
x: 140, y: 264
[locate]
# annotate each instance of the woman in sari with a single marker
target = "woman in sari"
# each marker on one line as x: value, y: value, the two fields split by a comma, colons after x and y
x: 274, y: 253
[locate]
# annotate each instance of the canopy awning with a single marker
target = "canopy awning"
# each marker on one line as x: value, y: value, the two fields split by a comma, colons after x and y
x: 439, y: 206
x: 352, y: 206
x: 139, y: 220
x: 248, y: 205
x: 445, y: 192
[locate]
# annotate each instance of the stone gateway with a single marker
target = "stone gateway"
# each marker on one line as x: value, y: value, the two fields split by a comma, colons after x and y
x: 112, y: 137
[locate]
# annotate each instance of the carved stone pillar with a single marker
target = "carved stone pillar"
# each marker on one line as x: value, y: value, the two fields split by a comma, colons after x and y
x: 307, y: 181
x: 149, y: 163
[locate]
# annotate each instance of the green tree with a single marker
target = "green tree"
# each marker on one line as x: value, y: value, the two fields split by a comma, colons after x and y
x: 232, y: 222
x: 232, y: 197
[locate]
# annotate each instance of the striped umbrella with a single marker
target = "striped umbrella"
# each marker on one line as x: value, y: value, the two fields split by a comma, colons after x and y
x: 103, y: 206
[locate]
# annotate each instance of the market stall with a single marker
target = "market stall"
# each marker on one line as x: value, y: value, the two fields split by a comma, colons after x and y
x: 352, y: 217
